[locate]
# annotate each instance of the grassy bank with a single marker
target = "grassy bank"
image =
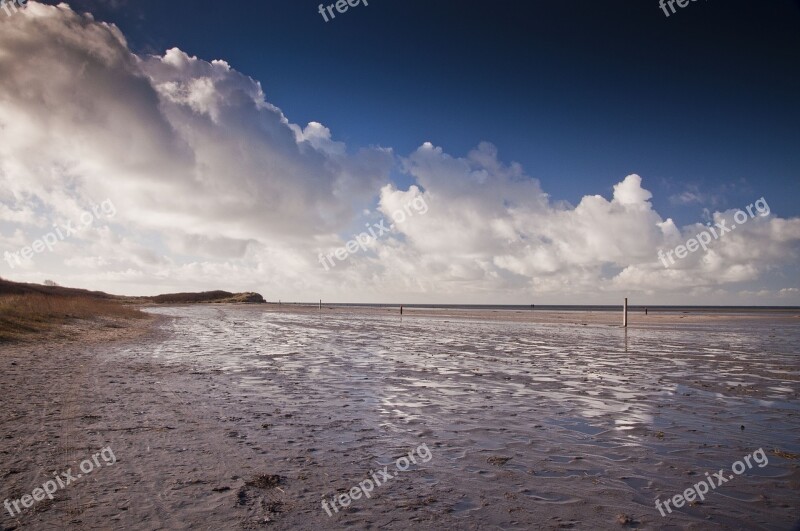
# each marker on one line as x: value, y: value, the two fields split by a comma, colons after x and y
x: 30, y: 313
x: 27, y: 309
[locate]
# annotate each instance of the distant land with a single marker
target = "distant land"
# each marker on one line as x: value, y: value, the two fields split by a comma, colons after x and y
x: 217, y: 296
x: 8, y: 287
x: 30, y: 309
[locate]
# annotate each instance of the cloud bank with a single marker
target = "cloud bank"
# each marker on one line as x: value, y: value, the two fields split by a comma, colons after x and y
x: 215, y: 187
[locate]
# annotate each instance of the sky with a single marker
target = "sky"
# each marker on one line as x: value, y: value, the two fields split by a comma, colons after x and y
x: 467, y: 152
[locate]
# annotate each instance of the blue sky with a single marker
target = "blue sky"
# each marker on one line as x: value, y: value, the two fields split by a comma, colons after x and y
x: 558, y: 146
x: 580, y: 92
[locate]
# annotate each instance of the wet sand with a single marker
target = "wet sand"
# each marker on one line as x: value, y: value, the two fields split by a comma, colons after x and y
x: 558, y: 420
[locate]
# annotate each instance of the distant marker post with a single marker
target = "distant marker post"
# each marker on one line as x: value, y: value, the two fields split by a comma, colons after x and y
x: 625, y: 313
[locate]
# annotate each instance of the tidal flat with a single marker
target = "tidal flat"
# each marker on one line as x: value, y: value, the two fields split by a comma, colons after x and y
x: 231, y: 416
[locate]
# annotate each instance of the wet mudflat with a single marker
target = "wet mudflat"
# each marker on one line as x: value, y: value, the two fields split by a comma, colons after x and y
x: 250, y: 416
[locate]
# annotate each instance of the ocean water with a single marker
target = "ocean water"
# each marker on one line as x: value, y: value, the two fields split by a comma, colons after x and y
x: 752, y: 310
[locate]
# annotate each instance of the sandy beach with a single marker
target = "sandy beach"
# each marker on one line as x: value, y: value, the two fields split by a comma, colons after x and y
x: 232, y: 417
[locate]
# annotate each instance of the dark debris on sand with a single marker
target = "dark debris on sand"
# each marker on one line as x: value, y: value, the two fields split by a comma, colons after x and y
x: 266, y: 481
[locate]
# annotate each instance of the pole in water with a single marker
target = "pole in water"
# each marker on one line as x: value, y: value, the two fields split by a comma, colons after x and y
x: 401, y: 310
x: 320, y: 304
x: 625, y: 313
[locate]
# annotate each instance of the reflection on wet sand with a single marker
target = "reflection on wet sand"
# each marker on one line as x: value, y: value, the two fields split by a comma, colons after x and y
x: 591, y: 417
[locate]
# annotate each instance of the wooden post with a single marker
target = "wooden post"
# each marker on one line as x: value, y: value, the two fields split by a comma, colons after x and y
x: 320, y: 304
x: 625, y: 313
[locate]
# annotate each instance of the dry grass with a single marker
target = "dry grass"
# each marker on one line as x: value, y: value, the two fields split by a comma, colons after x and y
x: 21, y: 315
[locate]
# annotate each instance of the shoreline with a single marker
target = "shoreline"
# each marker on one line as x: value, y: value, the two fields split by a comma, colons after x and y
x: 552, y: 307
x: 636, y: 319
